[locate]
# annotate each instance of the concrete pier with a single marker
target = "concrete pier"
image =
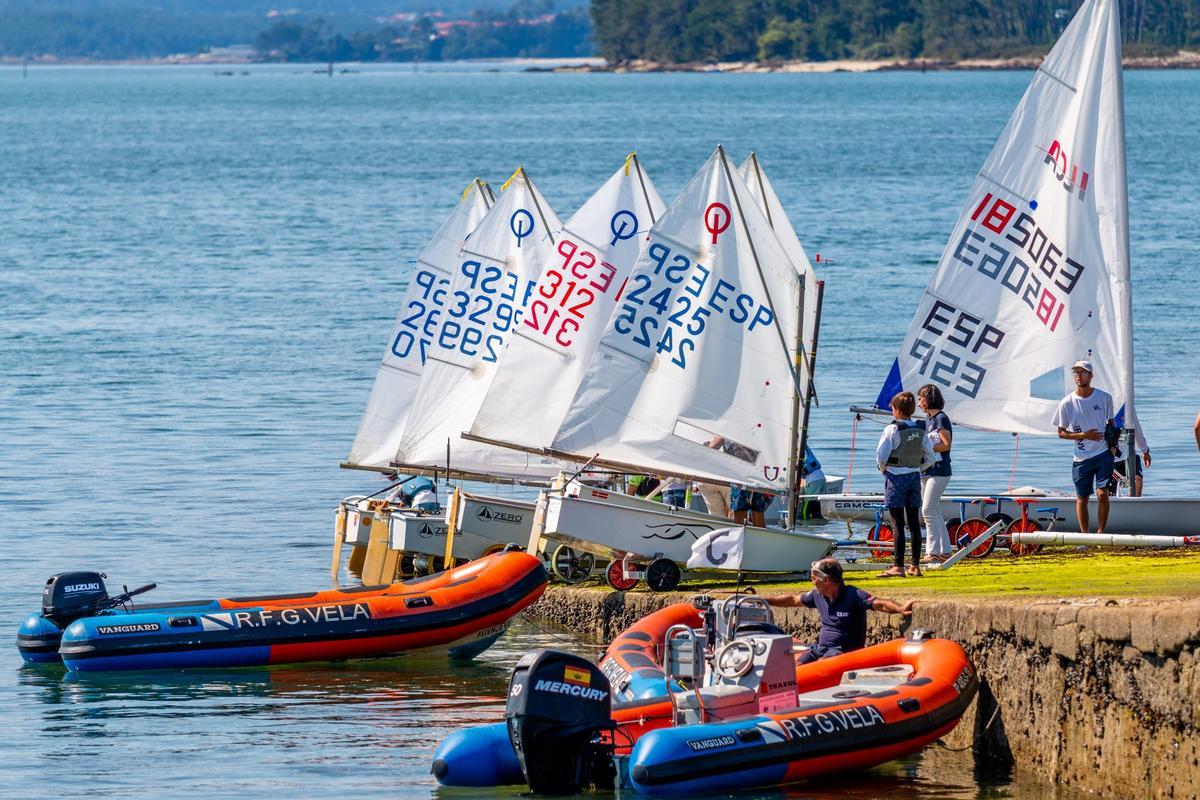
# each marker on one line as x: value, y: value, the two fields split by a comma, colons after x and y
x: 1096, y: 694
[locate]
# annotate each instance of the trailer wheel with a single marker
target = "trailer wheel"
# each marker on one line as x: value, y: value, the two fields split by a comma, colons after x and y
x: 882, y: 536
x: 614, y: 576
x: 663, y: 575
x: 572, y: 566
x: 1023, y: 526
x: 968, y: 530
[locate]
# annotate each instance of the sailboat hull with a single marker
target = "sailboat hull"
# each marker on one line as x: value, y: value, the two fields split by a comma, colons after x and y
x: 614, y: 528
x: 1159, y: 516
x: 483, y: 524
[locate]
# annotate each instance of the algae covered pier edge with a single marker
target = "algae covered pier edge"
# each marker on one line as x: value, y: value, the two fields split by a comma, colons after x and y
x: 1096, y: 694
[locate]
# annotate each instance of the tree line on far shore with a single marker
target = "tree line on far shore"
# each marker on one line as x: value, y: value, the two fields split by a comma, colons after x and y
x: 151, y: 29
x: 528, y: 29
x: 681, y: 31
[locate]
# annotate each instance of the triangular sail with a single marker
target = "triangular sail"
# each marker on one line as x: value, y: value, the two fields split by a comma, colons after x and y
x: 568, y: 311
x: 487, y: 296
x: 1036, y: 273
x: 399, y: 372
x: 693, y: 373
x: 767, y: 200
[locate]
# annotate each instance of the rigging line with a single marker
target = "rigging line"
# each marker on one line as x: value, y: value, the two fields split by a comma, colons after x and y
x: 637, y: 163
x: 533, y: 193
x: 762, y: 190
x: 758, y: 266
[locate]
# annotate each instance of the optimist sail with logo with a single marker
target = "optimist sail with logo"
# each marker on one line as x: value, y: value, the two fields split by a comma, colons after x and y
x: 693, y: 376
x: 1036, y: 273
x: 400, y: 370
x: 574, y: 298
x: 485, y: 300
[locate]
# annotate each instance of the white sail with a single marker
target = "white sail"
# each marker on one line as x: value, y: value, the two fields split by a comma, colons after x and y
x: 1036, y: 273
x: 693, y: 374
x: 400, y: 370
x: 568, y: 311
x: 764, y: 195
x: 488, y: 292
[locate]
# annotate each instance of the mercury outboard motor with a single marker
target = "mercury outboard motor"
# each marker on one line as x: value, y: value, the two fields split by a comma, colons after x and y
x: 558, y: 703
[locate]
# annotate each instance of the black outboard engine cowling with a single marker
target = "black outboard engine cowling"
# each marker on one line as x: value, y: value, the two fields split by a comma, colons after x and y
x: 557, y: 705
x: 71, y: 595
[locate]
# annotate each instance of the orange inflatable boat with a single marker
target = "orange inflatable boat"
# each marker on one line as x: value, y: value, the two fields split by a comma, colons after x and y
x: 463, y: 610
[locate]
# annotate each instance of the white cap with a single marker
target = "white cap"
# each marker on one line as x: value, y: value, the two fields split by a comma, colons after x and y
x: 1086, y: 366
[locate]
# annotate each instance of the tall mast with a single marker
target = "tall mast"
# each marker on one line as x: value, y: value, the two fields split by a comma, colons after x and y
x: 811, y: 389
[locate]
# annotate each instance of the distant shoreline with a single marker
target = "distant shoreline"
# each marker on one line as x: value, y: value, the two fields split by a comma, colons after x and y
x: 1183, y: 59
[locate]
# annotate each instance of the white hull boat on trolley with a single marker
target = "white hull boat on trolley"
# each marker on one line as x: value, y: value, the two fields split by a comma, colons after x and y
x: 652, y: 542
x: 1155, y: 516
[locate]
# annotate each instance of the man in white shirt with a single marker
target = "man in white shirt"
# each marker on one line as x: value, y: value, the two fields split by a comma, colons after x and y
x: 1082, y: 417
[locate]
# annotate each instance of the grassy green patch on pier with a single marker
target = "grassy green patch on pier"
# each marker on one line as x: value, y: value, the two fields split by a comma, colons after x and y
x: 1054, y: 572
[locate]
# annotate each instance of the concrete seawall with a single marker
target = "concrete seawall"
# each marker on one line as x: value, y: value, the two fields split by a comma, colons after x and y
x: 1100, y: 695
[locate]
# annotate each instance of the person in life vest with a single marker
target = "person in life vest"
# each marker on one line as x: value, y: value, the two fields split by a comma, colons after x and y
x: 903, y: 451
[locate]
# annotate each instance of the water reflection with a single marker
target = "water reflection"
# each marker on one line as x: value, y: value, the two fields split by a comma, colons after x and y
x: 367, y: 727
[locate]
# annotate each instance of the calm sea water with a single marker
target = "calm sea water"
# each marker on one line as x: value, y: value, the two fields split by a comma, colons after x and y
x: 197, y: 277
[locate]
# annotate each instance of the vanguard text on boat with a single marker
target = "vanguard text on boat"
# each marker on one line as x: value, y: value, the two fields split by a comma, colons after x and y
x: 708, y: 697
x: 1036, y: 273
x: 462, y: 610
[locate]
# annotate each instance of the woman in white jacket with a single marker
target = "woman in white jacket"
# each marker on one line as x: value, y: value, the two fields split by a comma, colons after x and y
x: 934, y: 480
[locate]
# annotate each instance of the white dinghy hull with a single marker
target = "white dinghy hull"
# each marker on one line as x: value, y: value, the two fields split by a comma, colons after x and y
x: 612, y: 527
x: 1156, y: 516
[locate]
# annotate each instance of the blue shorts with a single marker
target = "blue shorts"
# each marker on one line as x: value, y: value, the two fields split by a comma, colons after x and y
x: 743, y: 499
x: 902, y: 491
x: 1092, y: 472
x: 675, y: 497
x: 817, y: 652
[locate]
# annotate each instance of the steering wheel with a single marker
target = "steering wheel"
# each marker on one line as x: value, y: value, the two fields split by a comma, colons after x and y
x: 734, y: 659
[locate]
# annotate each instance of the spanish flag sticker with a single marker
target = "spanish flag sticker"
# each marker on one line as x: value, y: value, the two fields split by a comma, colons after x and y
x: 579, y: 677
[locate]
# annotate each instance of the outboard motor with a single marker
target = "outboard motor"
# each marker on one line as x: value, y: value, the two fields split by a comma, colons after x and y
x: 558, y: 703
x: 68, y: 596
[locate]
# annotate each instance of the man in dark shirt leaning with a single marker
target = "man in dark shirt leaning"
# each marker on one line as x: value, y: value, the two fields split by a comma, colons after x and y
x: 842, y: 608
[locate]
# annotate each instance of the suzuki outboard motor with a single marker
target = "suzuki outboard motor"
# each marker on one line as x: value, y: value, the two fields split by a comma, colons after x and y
x: 66, y: 597
x: 558, y: 703
x: 71, y: 595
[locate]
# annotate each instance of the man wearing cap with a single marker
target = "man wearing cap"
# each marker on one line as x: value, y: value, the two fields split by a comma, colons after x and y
x: 842, y: 608
x: 1083, y: 416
